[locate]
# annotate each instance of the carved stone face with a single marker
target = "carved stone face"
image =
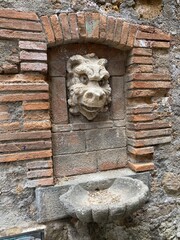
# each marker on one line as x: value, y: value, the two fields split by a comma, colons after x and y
x: 89, y: 90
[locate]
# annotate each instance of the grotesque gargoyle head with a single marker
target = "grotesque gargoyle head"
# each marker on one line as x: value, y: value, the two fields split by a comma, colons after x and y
x: 89, y: 89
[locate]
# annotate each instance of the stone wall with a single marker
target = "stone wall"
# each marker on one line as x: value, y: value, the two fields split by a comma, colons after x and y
x: 159, y: 218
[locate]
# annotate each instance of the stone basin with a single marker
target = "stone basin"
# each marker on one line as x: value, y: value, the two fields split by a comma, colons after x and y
x: 106, y: 203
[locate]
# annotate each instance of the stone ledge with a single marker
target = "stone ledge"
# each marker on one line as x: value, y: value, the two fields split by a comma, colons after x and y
x: 47, y: 198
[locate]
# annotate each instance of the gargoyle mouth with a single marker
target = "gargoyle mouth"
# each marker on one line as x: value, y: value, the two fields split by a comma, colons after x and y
x: 90, y: 109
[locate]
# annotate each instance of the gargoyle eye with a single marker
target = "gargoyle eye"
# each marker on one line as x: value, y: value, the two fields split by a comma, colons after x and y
x: 84, y: 78
x: 102, y: 82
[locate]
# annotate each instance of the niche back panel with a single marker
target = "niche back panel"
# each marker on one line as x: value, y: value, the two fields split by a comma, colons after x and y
x: 81, y: 146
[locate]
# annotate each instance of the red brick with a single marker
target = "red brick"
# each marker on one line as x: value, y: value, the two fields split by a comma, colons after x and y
x: 23, y: 87
x: 154, y: 125
x: 149, y: 133
x: 141, y: 117
x: 140, y: 60
x: 148, y: 29
x: 63, y: 17
x: 132, y: 35
x: 35, y: 106
x: 92, y: 26
x: 141, y: 167
x: 73, y: 26
x: 102, y: 27
x: 141, y: 151
x: 25, y: 135
x: 39, y: 164
x: 30, y: 56
x: 156, y: 44
x: 149, y: 76
x: 40, y: 173
x: 36, y: 125
x: 149, y: 142
x: 57, y: 28
x: 141, y: 93
x: 48, y: 29
x: 110, y: 29
x: 20, y: 25
x: 10, y: 68
x: 4, y: 108
x: 33, y: 67
x: 142, y: 43
x: 4, y: 116
x: 23, y: 78
x: 141, y: 51
x: 4, y: 127
x: 9, y: 13
x: 154, y: 36
x: 24, y: 97
x: 140, y: 69
x: 117, y: 30
x: 140, y: 109
x: 36, y: 115
x: 13, y: 34
x: 25, y: 156
x: 25, y: 146
x: 81, y: 24
x: 124, y: 33
x: 149, y: 84
x: 40, y: 182
x: 29, y: 45
x: 58, y: 98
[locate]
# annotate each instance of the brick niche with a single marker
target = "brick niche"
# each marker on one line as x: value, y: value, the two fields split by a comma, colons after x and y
x: 25, y: 93
x: 82, y: 146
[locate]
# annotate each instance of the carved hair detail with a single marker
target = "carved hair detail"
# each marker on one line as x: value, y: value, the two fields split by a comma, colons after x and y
x: 88, y: 86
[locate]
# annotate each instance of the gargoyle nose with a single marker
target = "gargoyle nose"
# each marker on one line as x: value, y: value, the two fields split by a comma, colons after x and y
x: 95, y: 95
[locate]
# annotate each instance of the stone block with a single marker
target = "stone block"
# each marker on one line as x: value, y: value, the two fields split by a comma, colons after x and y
x: 111, y: 159
x: 118, y: 97
x: 68, y: 142
x: 48, y: 205
x: 58, y: 100
x: 74, y: 164
x: 98, y: 139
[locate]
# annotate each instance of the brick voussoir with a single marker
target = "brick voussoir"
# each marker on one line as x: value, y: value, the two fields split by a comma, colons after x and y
x: 63, y: 18
x: 72, y: 17
x: 81, y: 25
x: 48, y: 29
x: 57, y: 28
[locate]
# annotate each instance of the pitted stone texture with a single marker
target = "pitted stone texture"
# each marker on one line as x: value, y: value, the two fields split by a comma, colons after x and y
x: 89, y: 89
x: 124, y: 196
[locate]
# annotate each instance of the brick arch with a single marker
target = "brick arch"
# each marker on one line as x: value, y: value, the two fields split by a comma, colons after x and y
x: 34, y: 35
x: 89, y: 27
